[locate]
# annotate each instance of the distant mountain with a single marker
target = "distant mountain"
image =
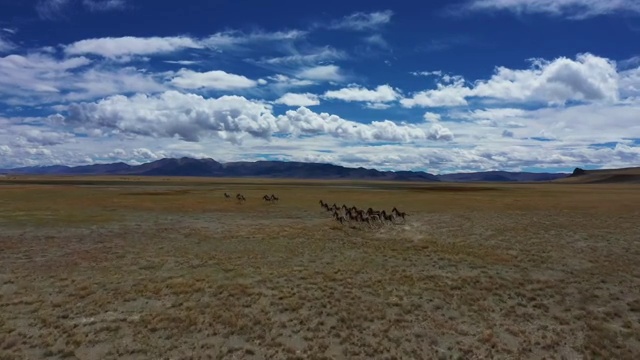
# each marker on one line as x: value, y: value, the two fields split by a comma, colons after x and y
x: 501, y: 176
x: 272, y: 169
x: 605, y: 176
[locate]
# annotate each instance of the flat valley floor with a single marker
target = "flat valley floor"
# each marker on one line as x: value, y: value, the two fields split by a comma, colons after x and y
x: 139, y: 268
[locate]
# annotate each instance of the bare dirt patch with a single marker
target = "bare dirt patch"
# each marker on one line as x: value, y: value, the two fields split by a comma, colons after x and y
x: 525, y: 272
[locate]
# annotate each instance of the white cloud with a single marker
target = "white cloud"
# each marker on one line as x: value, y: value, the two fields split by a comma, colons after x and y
x: 361, y: 21
x: 114, y: 48
x: 630, y: 84
x: 439, y: 132
x: 575, y: 126
x: 444, y: 95
x: 476, y: 148
x: 283, y: 82
x: 5, y: 150
x: 216, y: 79
x: 182, y: 62
x: 231, y: 118
x: 305, y: 121
x: 381, y: 94
x: 42, y: 137
x: 572, y: 9
x: 172, y: 114
x: 36, y: 73
x: 234, y: 38
x: 326, y: 53
x: 321, y: 73
x: 587, y: 78
x: 431, y: 117
x: 145, y: 154
x: 494, y: 114
x: 54, y: 9
x: 98, y: 82
x: 293, y: 99
x: 39, y: 78
x: 117, y: 48
x: 377, y: 106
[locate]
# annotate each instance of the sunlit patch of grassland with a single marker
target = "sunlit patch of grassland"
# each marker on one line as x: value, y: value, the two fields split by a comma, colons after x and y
x: 117, y: 267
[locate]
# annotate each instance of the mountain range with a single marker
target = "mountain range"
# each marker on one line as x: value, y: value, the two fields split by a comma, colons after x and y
x: 273, y: 169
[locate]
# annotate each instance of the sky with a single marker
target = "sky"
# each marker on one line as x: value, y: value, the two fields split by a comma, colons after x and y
x: 437, y: 86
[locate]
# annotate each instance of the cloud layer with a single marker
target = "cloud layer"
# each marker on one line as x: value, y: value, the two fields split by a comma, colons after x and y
x: 573, y: 9
x: 190, y: 117
x: 298, y: 94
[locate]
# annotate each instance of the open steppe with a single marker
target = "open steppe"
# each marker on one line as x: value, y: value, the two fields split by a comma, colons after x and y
x: 166, y: 268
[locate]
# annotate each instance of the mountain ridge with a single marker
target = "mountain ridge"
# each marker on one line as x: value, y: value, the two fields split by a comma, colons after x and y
x: 208, y: 167
x: 628, y: 175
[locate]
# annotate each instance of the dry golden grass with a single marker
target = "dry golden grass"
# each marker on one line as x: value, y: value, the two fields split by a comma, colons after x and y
x: 167, y: 268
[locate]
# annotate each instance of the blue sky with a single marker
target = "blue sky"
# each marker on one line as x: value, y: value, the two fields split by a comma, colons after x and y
x: 444, y: 86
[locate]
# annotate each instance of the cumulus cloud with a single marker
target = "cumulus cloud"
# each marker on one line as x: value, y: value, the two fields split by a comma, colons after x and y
x: 41, y: 78
x: 432, y: 117
x: 381, y: 94
x: 305, y: 121
x: 572, y: 9
x: 191, y: 117
x: 439, y: 132
x: 587, y: 78
x: 293, y: 99
x: 5, y: 150
x: 217, y: 80
x: 113, y: 48
x: 173, y: 114
x: 361, y: 21
x: 444, y: 95
x: 146, y: 154
x: 321, y: 73
x: 476, y: 149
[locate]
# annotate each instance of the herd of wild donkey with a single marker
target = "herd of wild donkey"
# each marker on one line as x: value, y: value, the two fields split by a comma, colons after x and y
x: 271, y: 199
x: 344, y: 214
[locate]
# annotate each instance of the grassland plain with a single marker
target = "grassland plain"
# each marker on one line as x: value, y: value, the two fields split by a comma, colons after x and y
x: 166, y: 268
